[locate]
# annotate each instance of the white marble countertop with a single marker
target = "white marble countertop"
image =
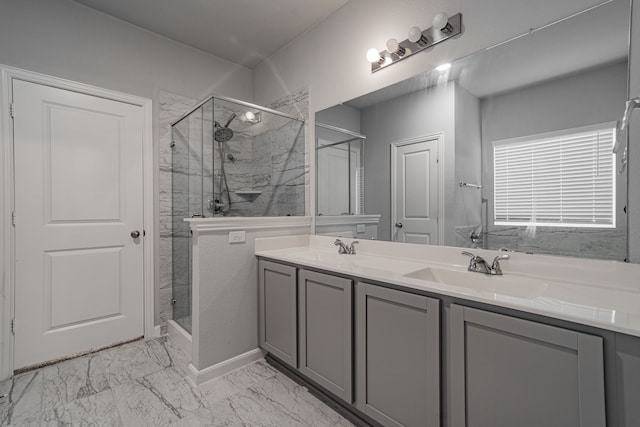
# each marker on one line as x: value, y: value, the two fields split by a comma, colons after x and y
x: 603, y: 294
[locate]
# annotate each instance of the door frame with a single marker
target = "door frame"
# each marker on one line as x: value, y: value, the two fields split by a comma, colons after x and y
x: 7, y: 186
x: 439, y: 138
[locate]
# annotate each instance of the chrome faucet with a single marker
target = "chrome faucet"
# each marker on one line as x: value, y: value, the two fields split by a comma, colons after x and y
x: 495, y: 266
x: 477, y: 264
x: 344, y: 249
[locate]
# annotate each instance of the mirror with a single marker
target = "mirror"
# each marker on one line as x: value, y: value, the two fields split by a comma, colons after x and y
x: 443, y: 155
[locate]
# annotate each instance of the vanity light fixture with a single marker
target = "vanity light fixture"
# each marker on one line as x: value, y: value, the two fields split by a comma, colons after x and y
x: 443, y: 67
x: 442, y: 29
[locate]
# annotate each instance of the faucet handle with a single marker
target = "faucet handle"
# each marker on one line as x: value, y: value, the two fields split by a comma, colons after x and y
x: 473, y: 262
x: 342, y: 248
x: 495, y: 266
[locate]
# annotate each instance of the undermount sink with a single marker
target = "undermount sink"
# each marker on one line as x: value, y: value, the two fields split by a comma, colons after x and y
x: 511, y: 285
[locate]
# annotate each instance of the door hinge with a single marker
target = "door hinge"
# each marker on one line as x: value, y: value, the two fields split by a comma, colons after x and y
x: 13, y: 218
x: 13, y: 326
x: 11, y: 110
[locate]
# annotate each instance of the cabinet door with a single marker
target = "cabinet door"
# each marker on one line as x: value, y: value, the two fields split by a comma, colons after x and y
x: 397, y: 356
x: 628, y: 379
x: 277, y: 304
x: 509, y: 372
x: 325, y: 312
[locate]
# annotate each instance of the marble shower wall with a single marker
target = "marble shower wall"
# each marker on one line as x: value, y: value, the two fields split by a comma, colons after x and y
x: 600, y: 243
x: 174, y: 237
x: 271, y: 157
x: 264, y: 163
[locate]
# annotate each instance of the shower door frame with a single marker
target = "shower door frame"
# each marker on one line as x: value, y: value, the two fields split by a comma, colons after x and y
x: 7, y: 241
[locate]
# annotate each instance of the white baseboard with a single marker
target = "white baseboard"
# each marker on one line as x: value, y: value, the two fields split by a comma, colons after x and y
x: 180, y: 337
x: 197, y: 377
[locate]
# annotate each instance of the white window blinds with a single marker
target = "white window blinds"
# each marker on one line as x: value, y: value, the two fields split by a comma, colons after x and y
x: 564, y: 178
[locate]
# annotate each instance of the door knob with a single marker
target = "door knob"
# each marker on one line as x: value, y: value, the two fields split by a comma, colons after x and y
x: 135, y: 234
x: 399, y: 224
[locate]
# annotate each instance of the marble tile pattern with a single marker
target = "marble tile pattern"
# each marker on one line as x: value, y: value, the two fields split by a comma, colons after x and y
x: 271, y: 157
x: 171, y: 107
x: 599, y: 243
x: 144, y: 384
x: 297, y: 105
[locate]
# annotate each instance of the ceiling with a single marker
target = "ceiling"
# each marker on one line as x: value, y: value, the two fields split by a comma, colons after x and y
x: 244, y: 32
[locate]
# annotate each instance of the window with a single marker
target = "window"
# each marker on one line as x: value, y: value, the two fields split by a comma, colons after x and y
x: 564, y: 178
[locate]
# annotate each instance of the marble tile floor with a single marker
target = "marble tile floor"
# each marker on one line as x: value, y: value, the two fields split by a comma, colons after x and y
x: 144, y: 384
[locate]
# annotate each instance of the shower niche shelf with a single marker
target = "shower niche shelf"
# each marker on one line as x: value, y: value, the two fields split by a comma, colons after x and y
x: 249, y: 195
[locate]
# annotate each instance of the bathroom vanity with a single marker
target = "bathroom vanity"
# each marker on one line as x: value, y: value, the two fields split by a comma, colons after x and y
x: 404, y: 335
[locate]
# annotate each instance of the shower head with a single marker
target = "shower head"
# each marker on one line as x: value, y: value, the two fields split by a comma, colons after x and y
x: 223, y: 133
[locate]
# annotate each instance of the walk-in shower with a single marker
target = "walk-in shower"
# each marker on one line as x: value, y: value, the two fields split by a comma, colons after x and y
x: 230, y: 158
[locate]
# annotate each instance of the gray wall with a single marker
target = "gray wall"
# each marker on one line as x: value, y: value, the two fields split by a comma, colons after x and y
x: 595, y: 96
x: 342, y: 116
x: 421, y: 113
x: 467, y: 200
x: 64, y: 39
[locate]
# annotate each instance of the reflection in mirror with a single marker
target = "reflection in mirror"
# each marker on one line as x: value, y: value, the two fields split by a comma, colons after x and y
x: 340, y: 177
x: 510, y: 147
x: 339, y: 154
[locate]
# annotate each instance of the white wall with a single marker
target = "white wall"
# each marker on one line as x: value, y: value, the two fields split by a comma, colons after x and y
x: 331, y: 57
x: 225, y: 310
x: 64, y: 39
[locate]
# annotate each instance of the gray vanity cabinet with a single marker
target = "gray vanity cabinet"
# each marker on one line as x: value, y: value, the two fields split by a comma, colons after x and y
x: 508, y: 372
x: 397, y: 356
x: 277, y: 311
x: 326, y: 331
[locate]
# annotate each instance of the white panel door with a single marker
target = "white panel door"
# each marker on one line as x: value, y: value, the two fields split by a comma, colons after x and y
x: 78, y: 203
x: 415, y: 192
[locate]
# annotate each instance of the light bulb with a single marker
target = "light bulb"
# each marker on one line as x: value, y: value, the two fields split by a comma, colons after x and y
x: 414, y: 34
x: 443, y: 67
x: 440, y: 21
x: 249, y: 116
x: 392, y: 45
x: 373, y: 56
